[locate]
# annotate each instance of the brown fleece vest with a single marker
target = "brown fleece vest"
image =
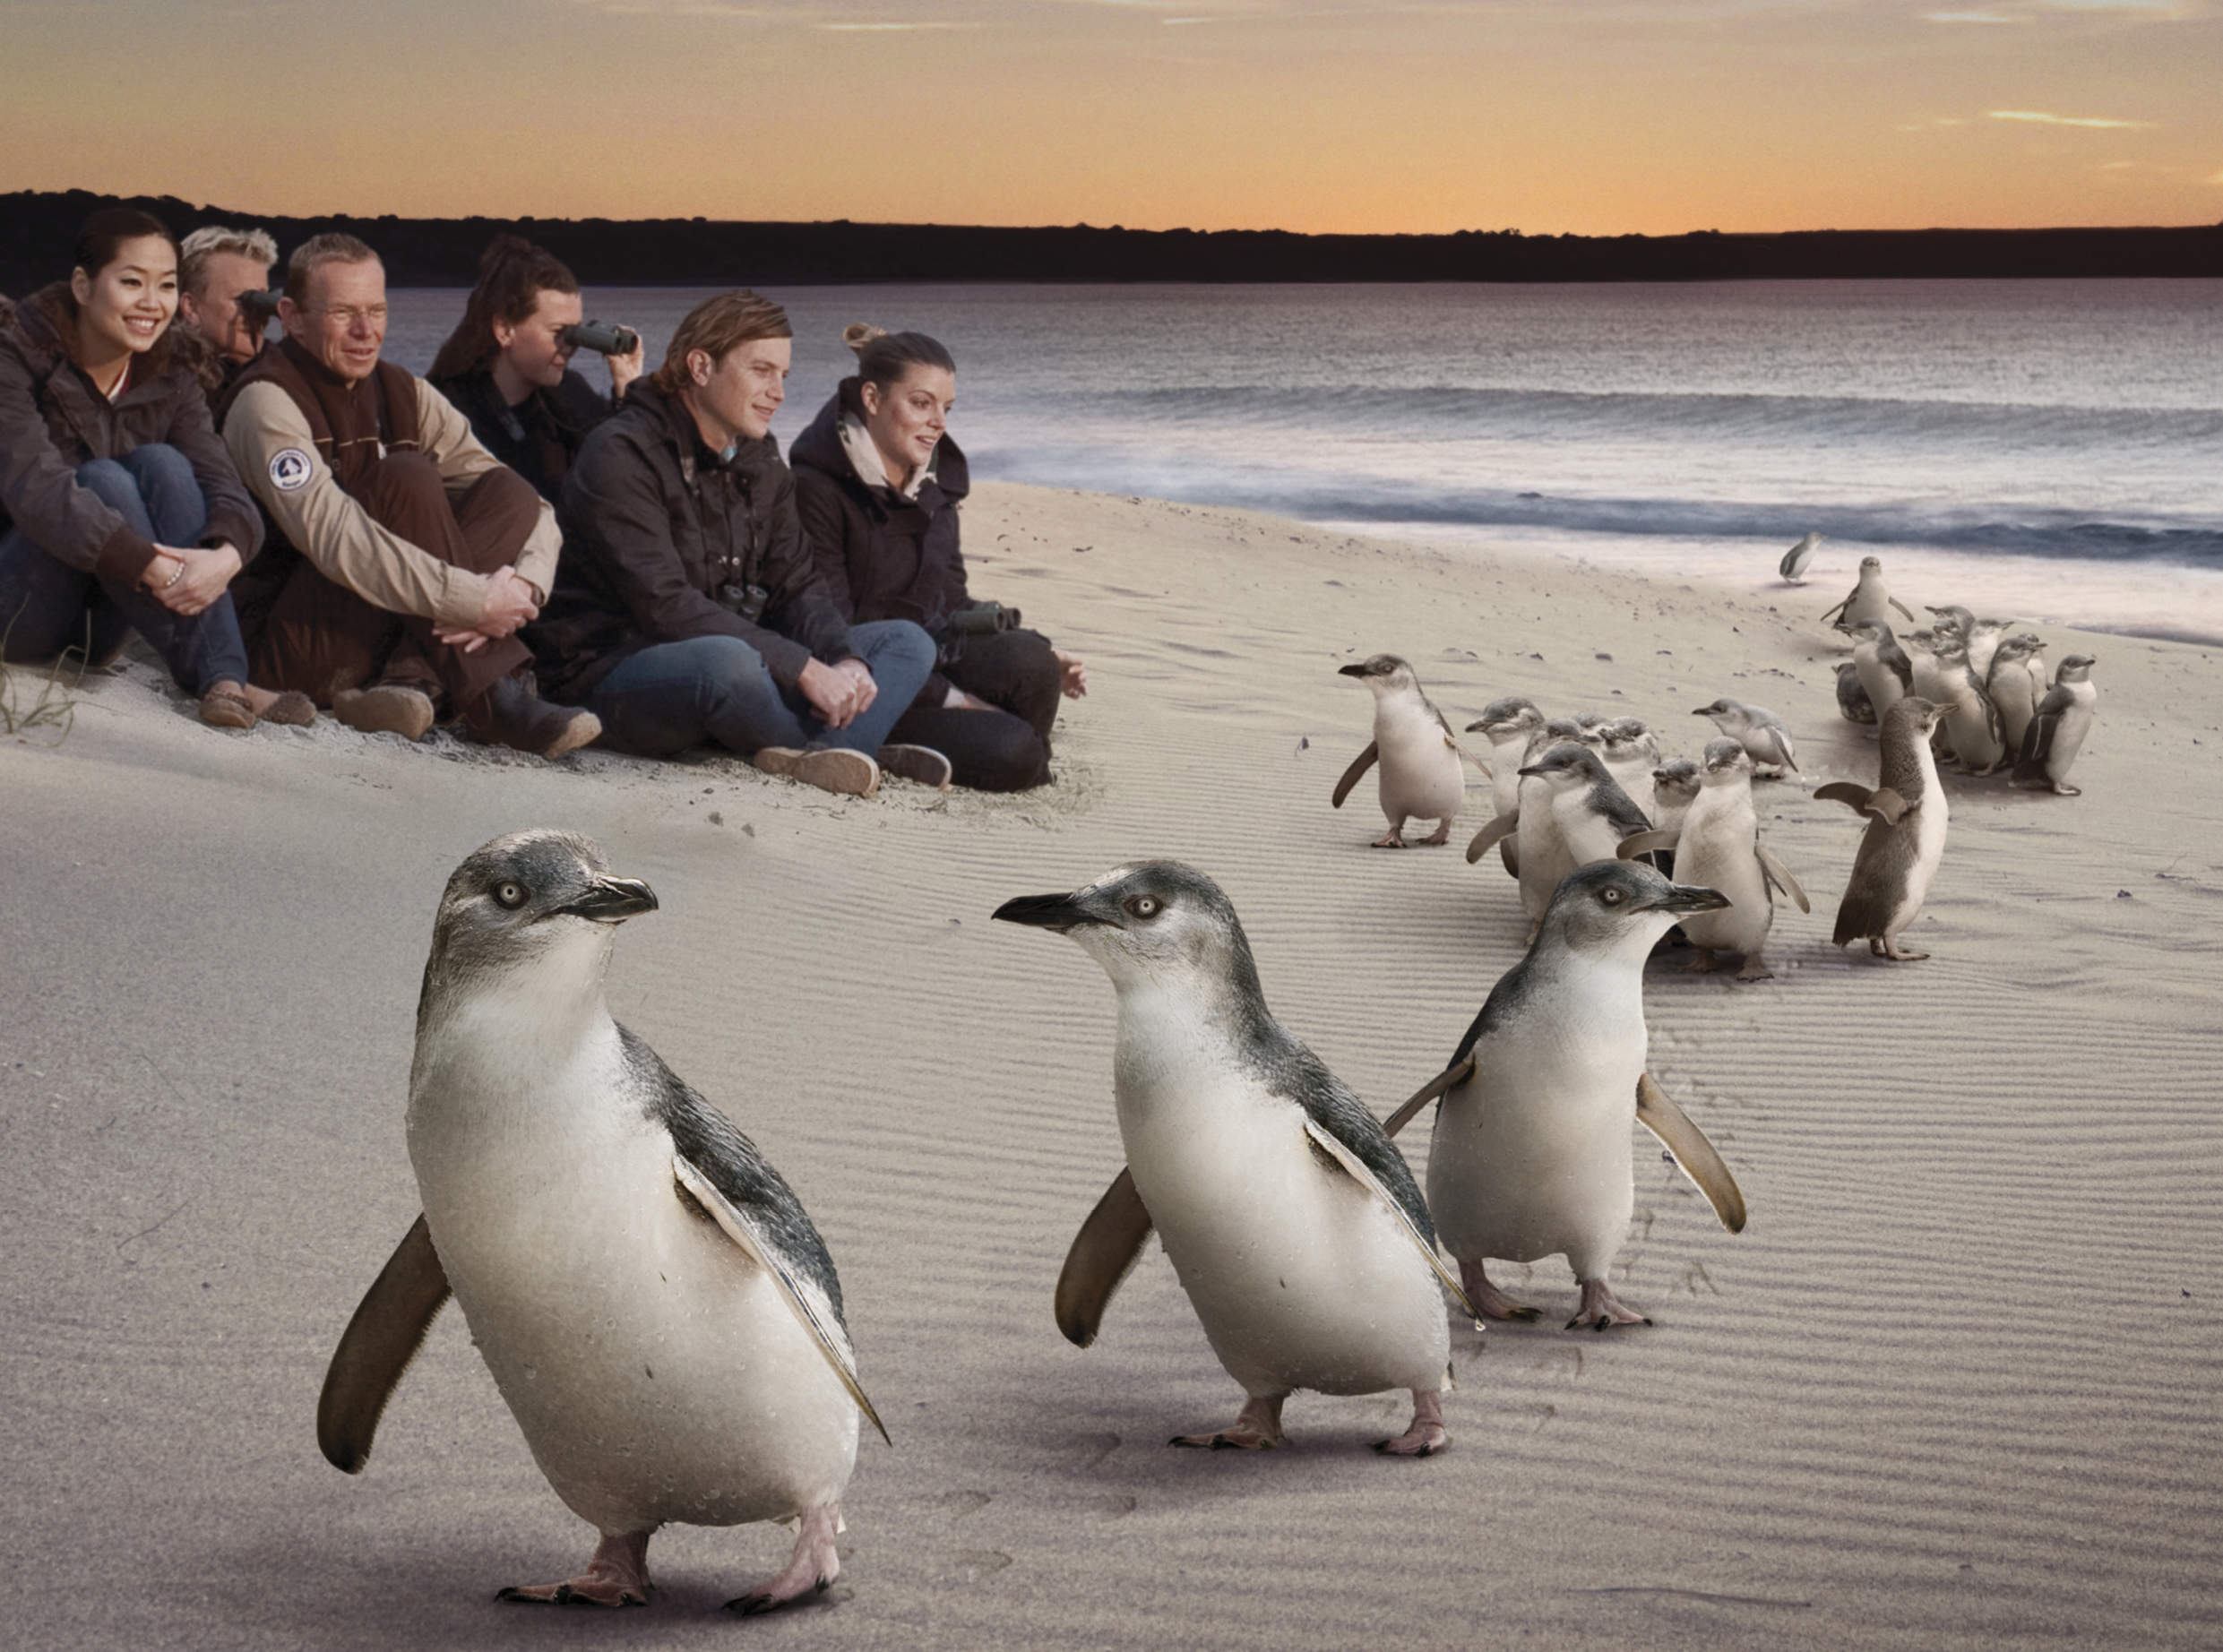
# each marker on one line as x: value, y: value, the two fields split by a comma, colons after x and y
x: 353, y: 424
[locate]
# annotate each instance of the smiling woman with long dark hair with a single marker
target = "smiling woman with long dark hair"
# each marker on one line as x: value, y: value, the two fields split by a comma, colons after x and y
x: 119, y: 509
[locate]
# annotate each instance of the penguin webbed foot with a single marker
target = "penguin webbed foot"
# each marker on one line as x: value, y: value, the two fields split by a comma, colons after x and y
x: 1601, y: 1310
x: 1887, y: 946
x: 1258, y: 1428
x: 1489, y: 1302
x: 1702, y: 961
x: 1395, y: 839
x: 1754, y: 969
x: 811, y: 1568
x: 1439, y: 837
x: 1425, y: 1436
x: 616, y: 1576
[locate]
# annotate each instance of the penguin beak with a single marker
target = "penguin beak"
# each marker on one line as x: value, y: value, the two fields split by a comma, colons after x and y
x: 1351, y: 671
x: 1476, y: 728
x: 613, y: 900
x: 1689, y: 898
x: 1061, y: 913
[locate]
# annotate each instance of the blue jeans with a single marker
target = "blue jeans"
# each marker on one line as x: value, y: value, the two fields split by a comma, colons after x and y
x: 47, y: 607
x: 664, y: 699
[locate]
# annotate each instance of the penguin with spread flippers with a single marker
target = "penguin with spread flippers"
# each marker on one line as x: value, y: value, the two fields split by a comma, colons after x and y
x: 1532, y: 1154
x: 1421, y: 774
x: 651, y: 1298
x: 2058, y: 729
x: 1510, y: 725
x: 1291, y: 1219
x: 1718, y: 846
x: 1899, y: 852
x: 1762, y: 733
x: 1868, y: 599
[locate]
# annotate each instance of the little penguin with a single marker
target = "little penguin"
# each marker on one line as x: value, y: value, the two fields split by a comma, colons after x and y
x: 1540, y: 857
x: 1793, y: 567
x: 1509, y: 725
x: 2056, y: 732
x: 1906, y: 836
x: 1674, y: 786
x: 1718, y: 848
x: 1631, y: 752
x: 1290, y: 1217
x: 1532, y: 1154
x: 1868, y: 600
x: 1852, y: 703
x: 1421, y: 776
x: 651, y: 1298
x: 2016, y: 683
x: 1588, y: 813
x: 1971, y: 721
x: 1764, y: 734
x: 1885, y: 673
x: 1981, y: 638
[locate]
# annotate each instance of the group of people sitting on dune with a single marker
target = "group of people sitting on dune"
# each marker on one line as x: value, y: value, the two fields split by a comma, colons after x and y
x: 300, y: 525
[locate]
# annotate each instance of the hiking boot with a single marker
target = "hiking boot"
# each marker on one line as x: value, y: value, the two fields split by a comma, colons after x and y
x: 921, y: 763
x: 829, y: 767
x: 513, y: 713
x: 224, y: 707
x: 386, y: 708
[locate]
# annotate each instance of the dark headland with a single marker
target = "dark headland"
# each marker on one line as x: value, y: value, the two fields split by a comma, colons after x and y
x: 37, y: 230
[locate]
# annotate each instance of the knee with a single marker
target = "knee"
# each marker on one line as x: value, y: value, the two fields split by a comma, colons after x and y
x: 902, y: 642
x: 727, y: 666
x: 1015, y: 762
x: 158, y: 464
x: 110, y: 482
x: 407, y: 478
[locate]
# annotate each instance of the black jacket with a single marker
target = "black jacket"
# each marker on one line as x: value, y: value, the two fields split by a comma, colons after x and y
x: 654, y: 526
x: 539, y: 438
x: 883, y: 556
x: 52, y: 420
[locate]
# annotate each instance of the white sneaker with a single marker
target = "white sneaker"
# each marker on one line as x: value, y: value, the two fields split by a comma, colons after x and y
x: 830, y: 767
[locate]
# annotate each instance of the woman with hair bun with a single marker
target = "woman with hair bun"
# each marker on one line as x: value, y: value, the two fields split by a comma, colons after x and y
x: 507, y: 366
x: 120, y: 508
x: 879, y: 479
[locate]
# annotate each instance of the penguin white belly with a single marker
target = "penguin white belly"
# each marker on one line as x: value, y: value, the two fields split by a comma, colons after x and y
x: 1534, y: 1156
x: 1715, y: 851
x: 1299, y: 1276
x: 1968, y: 726
x: 655, y: 1372
x: 1633, y: 777
x: 2068, y: 739
x: 1589, y: 836
x: 1420, y: 777
x: 1929, y: 847
x: 2012, y: 695
x: 1544, y: 857
x: 1879, y: 681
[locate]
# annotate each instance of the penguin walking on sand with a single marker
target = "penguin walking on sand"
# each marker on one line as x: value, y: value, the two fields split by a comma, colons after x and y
x: 1886, y: 673
x: 654, y: 1302
x: 1540, y: 857
x: 1795, y: 562
x: 1421, y: 776
x: 1631, y: 752
x: 1510, y: 725
x: 1290, y: 1217
x: 1532, y: 1154
x: 1576, y: 815
x: 2057, y: 730
x: 1764, y: 734
x: 1972, y: 724
x: 1868, y: 600
x: 2016, y: 683
x: 1906, y: 836
x: 1718, y: 846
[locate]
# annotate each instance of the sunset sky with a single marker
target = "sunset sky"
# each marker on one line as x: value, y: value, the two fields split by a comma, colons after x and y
x: 1597, y: 116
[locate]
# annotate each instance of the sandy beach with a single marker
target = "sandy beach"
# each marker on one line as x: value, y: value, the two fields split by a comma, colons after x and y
x: 1956, y: 1385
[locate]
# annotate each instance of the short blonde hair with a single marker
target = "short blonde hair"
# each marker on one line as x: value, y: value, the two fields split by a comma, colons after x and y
x: 205, y: 243
x: 717, y: 325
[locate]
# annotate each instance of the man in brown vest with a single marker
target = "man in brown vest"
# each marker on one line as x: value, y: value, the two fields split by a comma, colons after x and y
x: 417, y: 554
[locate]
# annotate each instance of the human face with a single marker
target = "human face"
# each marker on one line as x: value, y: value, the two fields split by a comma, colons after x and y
x: 214, y: 311
x: 123, y: 308
x: 736, y: 396
x: 907, y: 419
x: 344, y: 323
x: 532, y: 355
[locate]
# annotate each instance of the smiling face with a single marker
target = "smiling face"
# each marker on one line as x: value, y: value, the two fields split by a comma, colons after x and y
x: 907, y: 419
x: 533, y: 349
x: 343, y: 322
x: 733, y: 398
x: 122, y: 308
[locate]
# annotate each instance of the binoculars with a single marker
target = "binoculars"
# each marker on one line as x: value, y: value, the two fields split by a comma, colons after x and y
x: 603, y: 337
x: 258, y: 305
x: 982, y: 619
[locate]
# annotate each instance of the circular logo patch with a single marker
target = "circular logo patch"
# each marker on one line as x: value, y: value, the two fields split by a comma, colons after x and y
x: 289, y: 469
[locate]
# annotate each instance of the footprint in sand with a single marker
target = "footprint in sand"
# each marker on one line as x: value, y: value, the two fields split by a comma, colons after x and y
x: 974, y: 1564
x: 1099, y: 1446
x: 958, y: 1504
x: 1113, y: 1508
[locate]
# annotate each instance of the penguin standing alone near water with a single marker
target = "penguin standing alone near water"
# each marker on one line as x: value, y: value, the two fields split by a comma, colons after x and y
x: 1421, y: 776
x: 1868, y: 600
x: 1295, y: 1227
x: 655, y: 1305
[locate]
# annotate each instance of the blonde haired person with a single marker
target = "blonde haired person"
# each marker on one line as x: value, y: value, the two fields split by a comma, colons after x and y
x: 217, y: 266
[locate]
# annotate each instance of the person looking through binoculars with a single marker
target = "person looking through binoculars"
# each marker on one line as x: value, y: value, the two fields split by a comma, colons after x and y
x: 878, y: 480
x: 507, y: 364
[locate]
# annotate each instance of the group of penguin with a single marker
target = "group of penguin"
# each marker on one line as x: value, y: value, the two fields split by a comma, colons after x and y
x: 667, y: 1326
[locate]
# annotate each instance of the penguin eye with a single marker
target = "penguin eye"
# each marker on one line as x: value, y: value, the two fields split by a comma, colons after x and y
x: 1143, y: 905
x: 1611, y: 897
x: 511, y: 894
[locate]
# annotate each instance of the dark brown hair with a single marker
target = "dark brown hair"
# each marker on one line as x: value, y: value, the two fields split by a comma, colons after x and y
x: 883, y: 359
x: 717, y: 325
x: 105, y: 233
x: 513, y: 274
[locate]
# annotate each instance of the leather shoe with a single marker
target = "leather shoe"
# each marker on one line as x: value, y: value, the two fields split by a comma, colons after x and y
x: 513, y: 713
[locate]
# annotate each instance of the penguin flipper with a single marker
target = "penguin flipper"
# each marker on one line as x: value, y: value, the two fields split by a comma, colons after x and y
x: 753, y: 1244
x: 1694, y: 1156
x: 1645, y: 842
x: 1352, y: 775
x: 1499, y: 827
x: 1902, y: 607
x: 1836, y: 607
x: 1883, y: 802
x: 1778, y: 748
x: 1779, y: 875
x: 1103, y: 1252
x: 1450, y: 1078
x: 388, y: 1328
x: 1330, y: 1151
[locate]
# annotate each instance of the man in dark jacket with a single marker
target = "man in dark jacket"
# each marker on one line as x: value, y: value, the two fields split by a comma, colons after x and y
x: 688, y: 609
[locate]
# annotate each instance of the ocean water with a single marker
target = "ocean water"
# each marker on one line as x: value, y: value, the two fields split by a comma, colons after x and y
x: 2051, y: 450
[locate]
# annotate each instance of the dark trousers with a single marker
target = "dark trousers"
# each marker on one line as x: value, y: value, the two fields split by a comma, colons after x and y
x: 47, y: 607
x: 322, y: 638
x: 1006, y: 749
